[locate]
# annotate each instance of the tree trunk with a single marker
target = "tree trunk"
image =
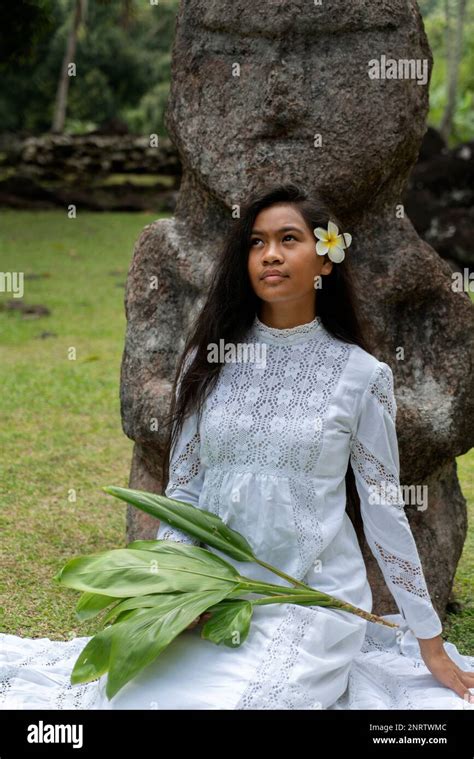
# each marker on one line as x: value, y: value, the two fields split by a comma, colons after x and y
x: 63, y: 84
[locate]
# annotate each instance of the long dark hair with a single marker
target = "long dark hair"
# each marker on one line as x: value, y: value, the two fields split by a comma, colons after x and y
x: 231, y: 307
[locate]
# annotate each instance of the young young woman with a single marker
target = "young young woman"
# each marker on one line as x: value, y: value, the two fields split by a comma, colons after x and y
x: 265, y: 443
x: 282, y: 441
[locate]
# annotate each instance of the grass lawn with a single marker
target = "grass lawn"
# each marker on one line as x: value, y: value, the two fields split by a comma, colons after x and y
x: 61, y: 434
x: 459, y: 628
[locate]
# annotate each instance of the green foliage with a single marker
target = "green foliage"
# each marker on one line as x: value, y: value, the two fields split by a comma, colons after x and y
x: 434, y: 18
x: 230, y: 622
x: 123, y: 65
x: 138, y: 637
x: 123, y: 69
x: 166, y: 585
x: 23, y: 25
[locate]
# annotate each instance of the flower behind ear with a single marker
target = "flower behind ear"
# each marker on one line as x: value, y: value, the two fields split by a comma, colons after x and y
x: 331, y: 242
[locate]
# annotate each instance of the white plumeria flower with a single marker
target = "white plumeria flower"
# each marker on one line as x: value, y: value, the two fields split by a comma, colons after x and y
x: 331, y: 242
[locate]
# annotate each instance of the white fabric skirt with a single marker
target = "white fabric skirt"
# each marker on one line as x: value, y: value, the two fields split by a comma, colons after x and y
x: 294, y: 658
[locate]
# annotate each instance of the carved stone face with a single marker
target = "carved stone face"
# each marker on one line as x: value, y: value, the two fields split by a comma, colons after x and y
x: 263, y: 92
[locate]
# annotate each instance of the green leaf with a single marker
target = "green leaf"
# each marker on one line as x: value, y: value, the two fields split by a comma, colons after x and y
x: 154, y: 600
x: 91, y: 604
x: 94, y: 659
x: 147, y: 632
x: 166, y: 546
x: 200, y: 524
x: 229, y: 624
x: 148, y: 545
x: 124, y: 572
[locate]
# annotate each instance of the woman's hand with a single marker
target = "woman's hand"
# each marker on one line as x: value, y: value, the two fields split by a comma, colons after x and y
x: 444, y: 669
x: 202, y: 618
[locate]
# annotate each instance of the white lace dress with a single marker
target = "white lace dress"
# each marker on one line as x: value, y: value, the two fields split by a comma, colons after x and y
x: 269, y: 456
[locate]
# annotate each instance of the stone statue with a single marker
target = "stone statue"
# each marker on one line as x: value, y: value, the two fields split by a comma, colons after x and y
x: 332, y: 96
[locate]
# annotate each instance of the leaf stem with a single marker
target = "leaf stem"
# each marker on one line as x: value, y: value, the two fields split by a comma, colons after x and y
x: 283, y: 575
x: 313, y: 597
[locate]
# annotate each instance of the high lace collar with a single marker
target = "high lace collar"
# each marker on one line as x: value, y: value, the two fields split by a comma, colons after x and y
x: 289, y: 335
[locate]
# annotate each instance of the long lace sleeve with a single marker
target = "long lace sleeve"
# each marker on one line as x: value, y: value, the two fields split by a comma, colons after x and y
x: 185, y: 475
x: 375, y: 461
